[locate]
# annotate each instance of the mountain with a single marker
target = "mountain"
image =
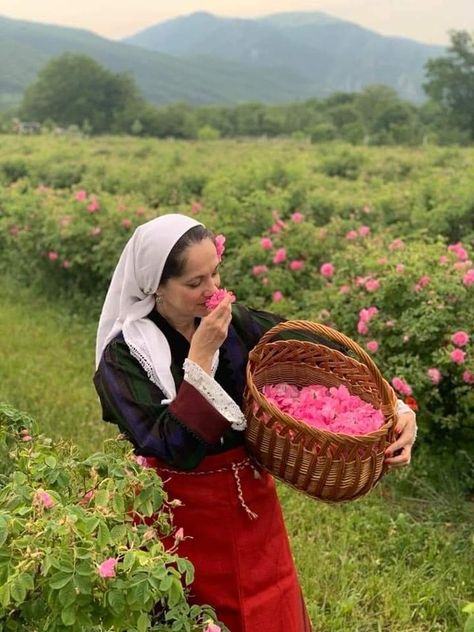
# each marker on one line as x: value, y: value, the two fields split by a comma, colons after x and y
x: 328, y: 53
x: 25, y: 47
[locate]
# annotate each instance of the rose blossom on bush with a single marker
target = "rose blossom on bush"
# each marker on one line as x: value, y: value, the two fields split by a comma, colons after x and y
x: 80, y: 196
x: 277, y: 296
x: 400, y: 268
x: 468, y: 377
x: 94, y: 205
x: 53, y: 255
x: 460, y: 338
x: 373, y: 346
x: 107, y: 568
x: 468, y: 278
x: 401, y: 386
x: 372, y: 285
x: 297, y: 217
x: 43, y: 498
x: 351, y: 235
x: 212, y: 627
x: 458, y: 356
x: 258, y: 270
x: 266, y: 243
x: 397, y: 244
x: 280, y: 255
x: 327, y: 270
x: 220, y: 245
x: 296, y: 264
x: 126, y: 223
x: 364, y: 231
x: 434, y: 375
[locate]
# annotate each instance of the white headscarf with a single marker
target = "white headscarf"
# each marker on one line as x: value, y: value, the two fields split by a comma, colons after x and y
x: 130, y: 297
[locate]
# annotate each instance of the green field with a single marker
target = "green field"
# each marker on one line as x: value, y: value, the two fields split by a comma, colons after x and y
x: 399, y: 560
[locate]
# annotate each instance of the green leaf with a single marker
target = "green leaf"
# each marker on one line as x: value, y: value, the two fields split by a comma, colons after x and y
x: 118, y: 533
x: 175, y: 592
x: 101, y: 498
x: 469, y: 608
x: 116, y: 600
x: 3, y: 530
x: 18, y: 591
x: 67, y: 596
x: 143, y: 622
x: 68, y: 616
x: 59, y: 580
x: 469, y: 625
x: 26, y: 581
x: 128, y: 560
x: 5, y: 596
x: 51, y: 461
x: 103, y: 535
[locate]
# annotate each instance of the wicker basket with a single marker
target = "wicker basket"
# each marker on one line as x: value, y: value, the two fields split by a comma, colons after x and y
x: 325, y: 465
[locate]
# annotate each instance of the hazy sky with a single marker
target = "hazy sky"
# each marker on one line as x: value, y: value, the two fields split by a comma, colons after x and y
x: 424, y: 20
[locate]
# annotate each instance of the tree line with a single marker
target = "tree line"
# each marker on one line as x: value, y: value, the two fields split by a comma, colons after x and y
x: 75, y: 90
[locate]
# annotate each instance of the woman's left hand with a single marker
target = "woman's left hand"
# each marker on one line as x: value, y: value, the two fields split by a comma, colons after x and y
x: 398, y: 454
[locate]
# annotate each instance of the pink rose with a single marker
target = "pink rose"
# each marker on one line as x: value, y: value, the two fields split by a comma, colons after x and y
x: 95, y: 231
x: 344, y: 289
x: 443, y: 260
x: 43, y: 498
x: 468, y: 377
x: 400, y: 268
x: 66, y: 264
x: 457, y: 356
x: 220, y: 247
x: 212, y: 627
x: 280, y: 255
x: 80, y: 196
x: 460, y: 338
x: 266, y: 243
x: 397, y: 244
x: 434, y: 375
x: 296, y: 264
x: 179, y: 535
x: 373, y: 346
x: 107, y: 568
x: 276, y: 228
x: 372, y: 285
x: 297, y: 217
x: 364, y: 231
x: 94, y: 205
x: 351, y: 235
x: 362, y: 327
x: 257, y: 270
x: 468, y: 278
x: 213, y: 301
x: 126, y: 223
x: 327, y: 270
x: 401, y: 386
x: 140, y: 211
x: 53, y: 255
x: 277, y: 296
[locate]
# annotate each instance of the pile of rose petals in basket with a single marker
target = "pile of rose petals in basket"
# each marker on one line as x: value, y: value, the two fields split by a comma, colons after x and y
x: 333, y: 409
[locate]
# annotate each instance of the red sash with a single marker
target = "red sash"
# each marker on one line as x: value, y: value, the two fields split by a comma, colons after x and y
x: 243, y: 563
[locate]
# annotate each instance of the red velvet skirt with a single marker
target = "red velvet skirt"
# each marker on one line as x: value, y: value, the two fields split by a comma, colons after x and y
x: 236, y: 539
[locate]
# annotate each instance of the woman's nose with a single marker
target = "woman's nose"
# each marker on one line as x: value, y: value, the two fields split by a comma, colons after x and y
x: 210, y: 288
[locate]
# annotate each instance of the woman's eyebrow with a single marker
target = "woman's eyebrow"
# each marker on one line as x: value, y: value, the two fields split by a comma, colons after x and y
x: 199, y: 276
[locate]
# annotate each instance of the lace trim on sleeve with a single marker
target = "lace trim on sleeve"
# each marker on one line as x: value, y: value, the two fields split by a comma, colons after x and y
x: 404, y: 408
x: 214, y: 394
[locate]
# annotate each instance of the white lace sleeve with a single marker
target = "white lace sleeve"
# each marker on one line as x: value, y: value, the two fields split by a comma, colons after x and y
x: 214, y: 394
x: 404, y: 408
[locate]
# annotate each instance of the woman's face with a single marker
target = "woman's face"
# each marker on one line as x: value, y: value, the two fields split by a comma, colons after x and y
x: 184, y: 296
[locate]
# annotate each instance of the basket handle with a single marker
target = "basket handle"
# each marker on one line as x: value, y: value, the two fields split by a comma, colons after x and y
x: 388, y: 393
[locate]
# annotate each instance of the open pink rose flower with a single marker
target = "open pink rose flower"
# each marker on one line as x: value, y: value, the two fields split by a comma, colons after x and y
x: 215, y: 299
x: 107, y: 568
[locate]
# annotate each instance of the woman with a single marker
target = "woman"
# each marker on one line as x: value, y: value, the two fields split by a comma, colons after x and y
x: 171, y: 375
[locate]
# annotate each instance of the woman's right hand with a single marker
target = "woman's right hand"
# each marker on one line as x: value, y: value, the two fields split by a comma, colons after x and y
x: 210, y: 334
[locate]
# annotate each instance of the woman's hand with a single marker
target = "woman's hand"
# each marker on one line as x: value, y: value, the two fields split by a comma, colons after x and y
x: 399, y: 453
x: 210, y: 334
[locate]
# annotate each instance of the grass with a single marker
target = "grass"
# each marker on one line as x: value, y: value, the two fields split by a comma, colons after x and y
x: 399, y: 560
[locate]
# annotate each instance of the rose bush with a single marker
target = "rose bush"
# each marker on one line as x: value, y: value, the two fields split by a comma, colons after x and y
x: 82, y: 541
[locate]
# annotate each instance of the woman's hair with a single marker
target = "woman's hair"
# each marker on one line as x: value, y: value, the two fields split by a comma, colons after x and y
x: 176, y: 260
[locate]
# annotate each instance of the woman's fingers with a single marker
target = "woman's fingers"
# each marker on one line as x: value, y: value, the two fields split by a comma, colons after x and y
x: 398, y: 453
